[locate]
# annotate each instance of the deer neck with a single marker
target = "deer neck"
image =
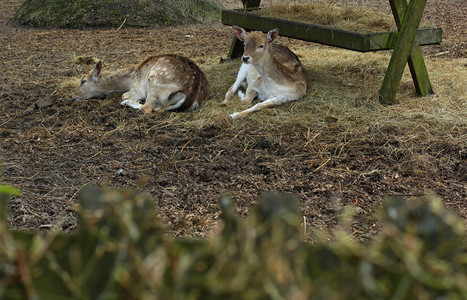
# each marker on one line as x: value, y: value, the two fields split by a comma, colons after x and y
x: 118, y: 81
x: 268, y: 66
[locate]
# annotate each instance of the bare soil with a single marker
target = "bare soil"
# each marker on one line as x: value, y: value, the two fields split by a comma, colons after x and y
x: 52, y: 148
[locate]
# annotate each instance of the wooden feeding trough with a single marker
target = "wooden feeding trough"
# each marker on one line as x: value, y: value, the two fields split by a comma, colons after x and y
x: 405, y: 42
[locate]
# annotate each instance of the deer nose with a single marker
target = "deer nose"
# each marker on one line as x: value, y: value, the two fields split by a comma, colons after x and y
x: 245, y: 58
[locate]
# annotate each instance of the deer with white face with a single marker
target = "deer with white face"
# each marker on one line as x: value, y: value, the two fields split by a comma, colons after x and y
x: 165, y: 82
x: 273, y: 73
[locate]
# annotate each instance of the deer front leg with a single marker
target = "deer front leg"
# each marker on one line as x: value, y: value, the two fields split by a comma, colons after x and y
x: 131, y: 103
x: 129, y: 100
x: 153, y: 101
x: 228, y: 95
x: 265, y: 104
x: 248, y: 97
x: 145, y: 108
x: 135, y: 94
x: 251, y: 92
x: 241, y: 76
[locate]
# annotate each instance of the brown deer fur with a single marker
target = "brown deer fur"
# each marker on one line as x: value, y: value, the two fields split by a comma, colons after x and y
x: 273, y: 73
x: 164, y: 82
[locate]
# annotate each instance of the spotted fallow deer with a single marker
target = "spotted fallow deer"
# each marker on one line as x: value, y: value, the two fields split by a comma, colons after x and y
x: 272, y: 72
x: 165, y: 82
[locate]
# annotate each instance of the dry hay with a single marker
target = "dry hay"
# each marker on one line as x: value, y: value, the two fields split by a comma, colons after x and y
x: 340, y: 112
x: 361, y: 19
x: 337, y: 145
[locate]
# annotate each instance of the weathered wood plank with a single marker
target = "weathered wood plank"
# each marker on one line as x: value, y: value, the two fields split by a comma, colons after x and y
x: 387, y: 40
x: 307, y: 32
x: 402, y: 50
x: 328, y: 36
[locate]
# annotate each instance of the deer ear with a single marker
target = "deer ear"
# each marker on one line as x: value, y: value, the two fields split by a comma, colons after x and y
x: 97, y: 70
x: 239, y: 32
x: 272, y: 35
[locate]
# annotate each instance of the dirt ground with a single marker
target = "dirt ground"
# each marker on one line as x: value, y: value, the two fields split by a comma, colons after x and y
x: 52, y: 148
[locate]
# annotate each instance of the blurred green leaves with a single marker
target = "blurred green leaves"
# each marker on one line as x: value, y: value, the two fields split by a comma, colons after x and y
x: 122, y: 252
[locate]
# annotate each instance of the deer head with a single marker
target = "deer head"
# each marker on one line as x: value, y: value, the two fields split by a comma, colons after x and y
x: 256, y: 44
x: 90, y: 85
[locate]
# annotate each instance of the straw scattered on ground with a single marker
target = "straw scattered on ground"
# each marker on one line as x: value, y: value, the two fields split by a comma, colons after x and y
x: 336, y: 147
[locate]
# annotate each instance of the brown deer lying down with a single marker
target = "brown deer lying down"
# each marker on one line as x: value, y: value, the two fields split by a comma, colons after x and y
x: 272, y: 72
x: 165, y: 82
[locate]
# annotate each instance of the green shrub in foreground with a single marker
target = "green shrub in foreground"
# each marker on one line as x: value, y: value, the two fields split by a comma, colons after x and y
x: 121, y: 252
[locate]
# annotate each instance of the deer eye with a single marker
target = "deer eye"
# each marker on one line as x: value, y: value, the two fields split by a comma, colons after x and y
x: 260, y: 46
x: 83, y: 81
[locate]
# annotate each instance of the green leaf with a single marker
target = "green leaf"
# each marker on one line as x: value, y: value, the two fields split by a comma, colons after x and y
x: 9, y: 190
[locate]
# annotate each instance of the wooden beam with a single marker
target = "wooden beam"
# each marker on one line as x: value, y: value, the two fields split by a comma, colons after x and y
x: 323, y: 35
x: 416, y: 63
x: 387, y: 40
x: 402, y: 50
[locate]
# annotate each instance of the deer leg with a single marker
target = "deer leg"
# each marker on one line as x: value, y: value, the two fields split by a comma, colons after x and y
x: 133, y: 94
x: 241, y: 76
x: 175, y: 102
x: 151, y: 102
x: 251, y: 92
x: 265, y: 104
x: 131, y: 103
x: 248, y: 97
x: 146, y: 107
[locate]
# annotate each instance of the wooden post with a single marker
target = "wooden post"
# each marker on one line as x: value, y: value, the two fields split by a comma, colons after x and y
x: 408, y: 26
x: 416, y: 63
x: 251, y: 3
x: 236, y: 48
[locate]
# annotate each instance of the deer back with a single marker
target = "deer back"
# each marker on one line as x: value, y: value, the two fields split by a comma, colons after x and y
x: 182, y: 74
x: 287, y: 64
